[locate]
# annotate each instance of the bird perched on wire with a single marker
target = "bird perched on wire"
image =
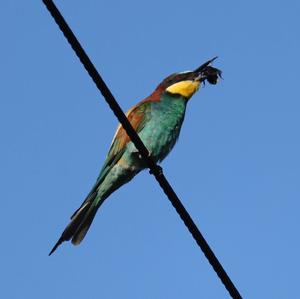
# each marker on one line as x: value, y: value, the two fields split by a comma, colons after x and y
x: 157, y: 120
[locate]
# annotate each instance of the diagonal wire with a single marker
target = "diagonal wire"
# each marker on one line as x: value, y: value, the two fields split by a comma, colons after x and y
x: 154, y: 168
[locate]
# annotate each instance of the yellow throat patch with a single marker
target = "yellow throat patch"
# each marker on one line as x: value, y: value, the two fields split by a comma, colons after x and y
x: 184, y: 88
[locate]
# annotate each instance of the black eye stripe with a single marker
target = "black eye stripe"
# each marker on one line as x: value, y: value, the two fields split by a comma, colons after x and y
x: 177, y: 77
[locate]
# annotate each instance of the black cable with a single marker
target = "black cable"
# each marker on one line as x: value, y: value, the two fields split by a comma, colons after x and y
x: 154, y: 168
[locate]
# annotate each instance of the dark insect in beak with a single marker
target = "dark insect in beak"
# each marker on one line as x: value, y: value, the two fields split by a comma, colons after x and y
x: 209, y: 73
x: 212, y: 75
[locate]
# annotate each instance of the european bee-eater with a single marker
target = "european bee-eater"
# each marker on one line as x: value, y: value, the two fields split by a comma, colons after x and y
x: 157, y: 120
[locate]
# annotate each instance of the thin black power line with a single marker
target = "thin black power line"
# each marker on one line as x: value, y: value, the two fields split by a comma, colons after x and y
x: 154, y: 168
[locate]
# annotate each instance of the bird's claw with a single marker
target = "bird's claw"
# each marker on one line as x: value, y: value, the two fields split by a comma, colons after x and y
x: 157, y: 170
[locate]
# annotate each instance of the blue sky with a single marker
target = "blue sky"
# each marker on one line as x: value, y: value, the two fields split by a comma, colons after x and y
x: 236, y: 166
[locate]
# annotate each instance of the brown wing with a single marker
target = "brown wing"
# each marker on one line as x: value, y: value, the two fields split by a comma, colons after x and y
x: 136, y: 117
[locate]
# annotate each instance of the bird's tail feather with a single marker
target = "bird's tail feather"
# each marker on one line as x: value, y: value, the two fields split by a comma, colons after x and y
x: 85, y: 224
x: 80, y: 222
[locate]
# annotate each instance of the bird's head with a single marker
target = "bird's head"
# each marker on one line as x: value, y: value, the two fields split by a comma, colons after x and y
x: 185, y: 84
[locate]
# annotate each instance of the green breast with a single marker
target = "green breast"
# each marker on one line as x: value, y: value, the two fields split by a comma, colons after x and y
x: 164, y: 120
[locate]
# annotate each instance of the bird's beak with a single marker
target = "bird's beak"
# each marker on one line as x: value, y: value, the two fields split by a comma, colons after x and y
x: 207, y: 72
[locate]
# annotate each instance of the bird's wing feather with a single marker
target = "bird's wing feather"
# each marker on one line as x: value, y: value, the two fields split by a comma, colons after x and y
x: 137, y: 117
x: 84, y: 215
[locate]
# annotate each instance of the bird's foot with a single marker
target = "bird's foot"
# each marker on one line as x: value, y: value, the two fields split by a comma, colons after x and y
x: 157, y: 170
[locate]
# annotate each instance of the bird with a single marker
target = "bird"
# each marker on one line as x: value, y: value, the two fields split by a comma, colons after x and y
x: 157, y: 119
